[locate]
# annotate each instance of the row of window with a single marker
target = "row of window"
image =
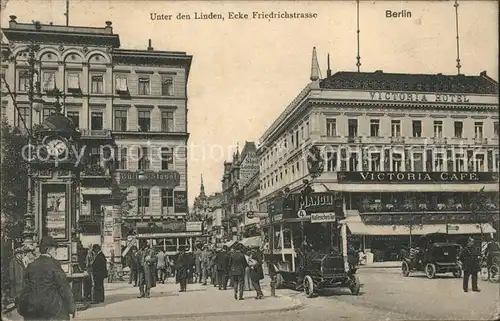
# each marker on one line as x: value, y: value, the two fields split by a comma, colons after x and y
x: 144, y: 197
x: 352, y: 128
x: 48, y: 83
x: 393, y: 161
x: 120, y: 119
x: 291, y: 140
x: 122, y: 157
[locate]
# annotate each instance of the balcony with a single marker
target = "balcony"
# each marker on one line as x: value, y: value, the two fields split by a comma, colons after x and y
x: 480, y: 141
x: 354, y: 139
x: 333, y: 139
x: 95, y: 133
x: 397, y: 140
x: 416, y: 140
x: 375, y: 140
x: 95, y: 171
x: 440, y: 140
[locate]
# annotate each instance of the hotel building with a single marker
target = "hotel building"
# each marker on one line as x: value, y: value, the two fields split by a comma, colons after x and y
x: 408, y: 153
x: 131, y: 108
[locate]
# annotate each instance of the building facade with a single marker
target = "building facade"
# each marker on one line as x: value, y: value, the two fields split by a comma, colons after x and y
x: 408, y: 153
x: 131, y: 108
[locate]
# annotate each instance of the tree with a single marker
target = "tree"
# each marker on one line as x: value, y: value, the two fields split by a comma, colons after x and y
x: 14, y: 190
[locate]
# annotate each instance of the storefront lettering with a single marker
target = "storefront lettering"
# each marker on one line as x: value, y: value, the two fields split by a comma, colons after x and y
x: 416, y: 177
x: 418, y: 97
x: 316, y: 200
x: 170, y: 178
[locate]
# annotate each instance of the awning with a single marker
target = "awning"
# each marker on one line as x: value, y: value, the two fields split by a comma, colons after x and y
x: 96, y: 190
x: 380, y: 188
x: 254, y: 241
x: 360, y: 228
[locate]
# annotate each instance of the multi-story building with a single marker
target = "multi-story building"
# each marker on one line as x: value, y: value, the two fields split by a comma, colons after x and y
x: 250, y: 199
x: 401, y: 149
x: 130, y: 106
x: 214, y: 218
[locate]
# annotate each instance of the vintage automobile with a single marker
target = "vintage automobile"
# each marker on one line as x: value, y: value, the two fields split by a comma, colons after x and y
x: 321, y: 271
x: 433, y: 255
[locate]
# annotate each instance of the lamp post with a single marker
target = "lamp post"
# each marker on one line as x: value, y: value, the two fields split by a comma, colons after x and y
x: 36, y: 103
x: 272, y: 274
x: 141, y: 176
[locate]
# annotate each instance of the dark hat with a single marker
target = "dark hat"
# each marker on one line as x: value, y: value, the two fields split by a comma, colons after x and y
x: 47, y: 241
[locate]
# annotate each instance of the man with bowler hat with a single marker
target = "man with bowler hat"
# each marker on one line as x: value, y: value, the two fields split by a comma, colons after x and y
x: 238, y: 263
x: 182, y: 266
x: 46, y: 293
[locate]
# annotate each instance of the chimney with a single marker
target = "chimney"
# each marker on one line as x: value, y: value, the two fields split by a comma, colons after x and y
x: 149, y: 45
x: 108, y: 25
x: 328, y: 71
x: 314, y: 66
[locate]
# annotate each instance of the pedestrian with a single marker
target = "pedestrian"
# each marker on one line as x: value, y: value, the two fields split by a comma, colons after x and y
x: 88, y: 283
x: 222, y: 264
x: 182, y: 267
x: 46, y: 292
x: 197, y: 262
x: 238, y: 263
x: 133, y: 264
x: 112, y: 274
x: 256, y: 272
x: 161, y: 266
x: 147, y: 271
x: 99, y: 272
x: 213, y: 268
x: 469, y: 257
x: 205, y: 263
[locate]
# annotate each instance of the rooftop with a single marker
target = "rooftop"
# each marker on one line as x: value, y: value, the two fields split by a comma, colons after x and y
x: 378, y: 80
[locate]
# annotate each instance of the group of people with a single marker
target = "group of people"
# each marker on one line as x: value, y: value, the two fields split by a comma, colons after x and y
x: 219, y: 267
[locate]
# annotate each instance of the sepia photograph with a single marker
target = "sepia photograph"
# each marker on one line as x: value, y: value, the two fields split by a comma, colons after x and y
x: 250, y: 160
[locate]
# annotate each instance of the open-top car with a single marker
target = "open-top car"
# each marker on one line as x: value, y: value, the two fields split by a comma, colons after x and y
x: 320, y: 271
x: 433, y: 255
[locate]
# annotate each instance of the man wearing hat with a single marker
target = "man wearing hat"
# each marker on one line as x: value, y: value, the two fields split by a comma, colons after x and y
x: 99, y: 273
x: 469, y: 256
x: 182, y: 266
x: 222, y: 266
x: 46, y: 294
x: 205, y: 263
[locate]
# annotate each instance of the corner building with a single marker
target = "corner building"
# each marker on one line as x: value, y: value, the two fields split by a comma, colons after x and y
x: 131, y: 108
x: 407, y: 153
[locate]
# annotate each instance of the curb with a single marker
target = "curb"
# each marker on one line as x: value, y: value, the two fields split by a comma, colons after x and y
x: 297, y: 306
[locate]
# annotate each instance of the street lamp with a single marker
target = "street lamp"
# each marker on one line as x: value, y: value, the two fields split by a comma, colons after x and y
x: 141, y: 176
x: 242, y: 227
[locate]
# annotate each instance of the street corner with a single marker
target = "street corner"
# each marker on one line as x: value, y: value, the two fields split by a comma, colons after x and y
x: 167, y: 302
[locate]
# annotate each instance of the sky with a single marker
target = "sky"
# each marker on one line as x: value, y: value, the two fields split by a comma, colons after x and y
x: 245, y: 72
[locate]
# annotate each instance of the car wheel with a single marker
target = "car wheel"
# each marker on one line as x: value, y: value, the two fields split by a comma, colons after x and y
x: 354, y: 284
x: 405, y: 268
x: 430, y: 270
x: 308, y: 286
x: 493, y: 272
x: 457, y: 273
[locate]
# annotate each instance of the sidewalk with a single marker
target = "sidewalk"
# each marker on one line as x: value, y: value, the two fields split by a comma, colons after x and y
x: 382, y: 265
x: 166, y: 302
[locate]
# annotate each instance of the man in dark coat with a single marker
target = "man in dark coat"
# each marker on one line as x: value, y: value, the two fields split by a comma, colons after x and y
x: 469, y: 256
x: 222, y: 265
x: 46, y: 293
x: 182, y: 266
x: 99, y: 272
x: 147, y: 271
x: 238, y: 263
x: 133, y: 263
x: 256, y: 272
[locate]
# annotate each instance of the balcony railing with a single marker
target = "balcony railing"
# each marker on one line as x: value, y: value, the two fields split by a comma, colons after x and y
x: 95, y: 170
x: 353, y: 139
x: 96, y: 133
x: 440, y: 140
x: 480, y: 141
x: 420, y: 208
x: 397, y: 140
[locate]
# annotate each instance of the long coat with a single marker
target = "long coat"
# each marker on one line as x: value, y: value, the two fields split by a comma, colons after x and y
x: 182, y: 265
x: 222, y: 261
x: 148, y: 264
x: 46, y: 294
x: 237, y: 264
x: 256, y: 271
x: 469, y: 258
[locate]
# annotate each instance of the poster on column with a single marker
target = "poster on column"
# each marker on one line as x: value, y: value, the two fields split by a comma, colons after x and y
x: 54, y: 208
